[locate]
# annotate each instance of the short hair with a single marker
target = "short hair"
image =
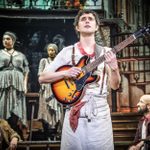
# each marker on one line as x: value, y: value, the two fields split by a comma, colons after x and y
x: 11, y: 34
x: 86, y: 11
x: 54, y: 46
x: 145, y: 98
x: 81, y: 12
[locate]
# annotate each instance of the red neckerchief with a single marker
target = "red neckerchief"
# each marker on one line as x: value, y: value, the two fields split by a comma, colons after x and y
x: 74, y: 115
x: 83, y: 52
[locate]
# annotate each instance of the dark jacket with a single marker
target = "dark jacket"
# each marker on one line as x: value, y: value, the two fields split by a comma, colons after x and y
x: 138, y: 136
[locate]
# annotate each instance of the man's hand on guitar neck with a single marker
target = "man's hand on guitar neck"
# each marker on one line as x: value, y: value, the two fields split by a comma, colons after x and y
x: 113, y: 71
x: 110, y: 59
x: 72, y: 72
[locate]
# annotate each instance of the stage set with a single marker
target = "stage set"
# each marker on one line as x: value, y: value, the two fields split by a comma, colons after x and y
x: 39, y: 22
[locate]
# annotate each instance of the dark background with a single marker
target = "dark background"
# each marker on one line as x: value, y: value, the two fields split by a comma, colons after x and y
x: 32, y: 37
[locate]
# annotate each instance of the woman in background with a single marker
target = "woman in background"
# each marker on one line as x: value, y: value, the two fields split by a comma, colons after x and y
x: 50, y: 111
x: 13, y: 82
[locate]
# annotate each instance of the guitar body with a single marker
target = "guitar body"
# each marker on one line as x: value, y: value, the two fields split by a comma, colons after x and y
x: 70, y: 91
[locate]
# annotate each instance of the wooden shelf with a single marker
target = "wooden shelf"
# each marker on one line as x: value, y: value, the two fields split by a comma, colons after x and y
x: 42, y: 14
x: 137, y: 58
x: 134, y: 72
x: 140, y: 83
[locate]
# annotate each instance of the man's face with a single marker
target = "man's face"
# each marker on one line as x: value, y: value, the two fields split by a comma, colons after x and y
x: 142, y: 106
x: 87, y: 24
x: 8, y: 42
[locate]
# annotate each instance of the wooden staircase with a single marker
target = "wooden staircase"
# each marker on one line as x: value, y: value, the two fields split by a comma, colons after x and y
x: 124, y: 129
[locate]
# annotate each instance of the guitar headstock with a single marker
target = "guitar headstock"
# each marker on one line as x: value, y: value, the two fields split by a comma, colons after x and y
x: 142, y: 32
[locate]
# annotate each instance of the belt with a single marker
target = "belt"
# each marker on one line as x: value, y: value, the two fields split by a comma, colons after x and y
x: 11, y: 68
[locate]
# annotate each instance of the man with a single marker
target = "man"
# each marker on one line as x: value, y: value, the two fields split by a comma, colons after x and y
x: 9, y: 138
x: 87, y: 125
x: 143, y: 130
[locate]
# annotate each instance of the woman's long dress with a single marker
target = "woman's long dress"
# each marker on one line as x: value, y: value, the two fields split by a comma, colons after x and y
x: 13, y: 69
x: 49, y: 109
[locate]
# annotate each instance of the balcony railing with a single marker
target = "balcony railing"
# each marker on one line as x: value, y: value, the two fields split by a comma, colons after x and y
x: 52, y: 4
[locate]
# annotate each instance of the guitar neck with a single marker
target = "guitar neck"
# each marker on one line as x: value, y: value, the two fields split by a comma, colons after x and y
x: 91, y: 66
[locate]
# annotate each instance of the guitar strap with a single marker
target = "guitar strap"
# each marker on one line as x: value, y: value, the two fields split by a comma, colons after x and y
x: 73, y: 56
x: 97, y: 53
x: 103, y: 77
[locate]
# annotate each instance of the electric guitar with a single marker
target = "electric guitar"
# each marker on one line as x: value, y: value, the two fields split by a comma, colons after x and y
x: 70, y: 91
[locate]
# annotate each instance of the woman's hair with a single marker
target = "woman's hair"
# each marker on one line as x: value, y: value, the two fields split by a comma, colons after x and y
x: 54, y: 46
x: 11, y: 34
